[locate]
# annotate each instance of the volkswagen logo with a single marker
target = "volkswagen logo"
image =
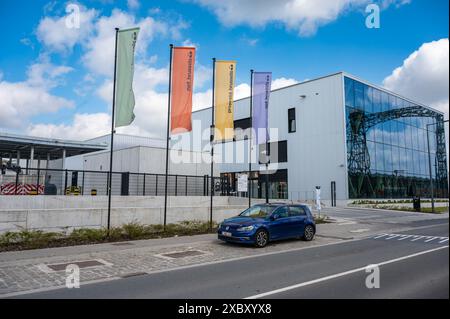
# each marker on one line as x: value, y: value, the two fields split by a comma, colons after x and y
x: 228, y: 227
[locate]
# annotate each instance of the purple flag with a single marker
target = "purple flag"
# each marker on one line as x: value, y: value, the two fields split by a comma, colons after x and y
x: 262, y: 82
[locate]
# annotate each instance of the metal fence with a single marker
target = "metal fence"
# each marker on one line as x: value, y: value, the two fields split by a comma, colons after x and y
x: 83, y: 182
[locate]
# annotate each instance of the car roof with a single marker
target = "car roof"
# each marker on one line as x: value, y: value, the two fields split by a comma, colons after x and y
x: 280, y: 204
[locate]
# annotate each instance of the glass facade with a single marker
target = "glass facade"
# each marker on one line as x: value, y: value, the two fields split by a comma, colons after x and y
x: 387, y: 147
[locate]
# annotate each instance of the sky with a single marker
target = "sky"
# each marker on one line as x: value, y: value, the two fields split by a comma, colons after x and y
x: 56, y: 80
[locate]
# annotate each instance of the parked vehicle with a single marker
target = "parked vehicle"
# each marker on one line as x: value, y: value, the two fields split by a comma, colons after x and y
x: 263, y: 223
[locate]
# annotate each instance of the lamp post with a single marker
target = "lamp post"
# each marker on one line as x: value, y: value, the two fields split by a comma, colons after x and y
x: 429, y: 164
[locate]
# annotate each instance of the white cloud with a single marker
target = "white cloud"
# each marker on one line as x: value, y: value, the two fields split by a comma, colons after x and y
x: 46, y: 74
x: 282, y: 82
x: 241, y: 91
x: 202, y: 100
x: 20, y: 101
x: 56, y: 36
x: 424, y: 75
x: 304, y: 16
x: 133, y: 4
x: 84, y: 126
x: 99, y: 57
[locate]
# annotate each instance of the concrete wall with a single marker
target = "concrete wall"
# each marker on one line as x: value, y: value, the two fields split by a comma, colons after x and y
x: 57, y: 213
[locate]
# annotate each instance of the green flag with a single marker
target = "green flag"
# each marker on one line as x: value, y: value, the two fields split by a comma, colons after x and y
x: 124, y: 82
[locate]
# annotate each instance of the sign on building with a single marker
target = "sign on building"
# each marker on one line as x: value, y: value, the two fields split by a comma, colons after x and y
x: 243, y: 183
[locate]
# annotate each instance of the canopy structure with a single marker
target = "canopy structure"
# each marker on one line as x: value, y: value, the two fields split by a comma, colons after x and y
x: 38, y: 148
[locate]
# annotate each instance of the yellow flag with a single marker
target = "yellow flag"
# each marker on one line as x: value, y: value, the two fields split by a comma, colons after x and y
x: 224, y: 100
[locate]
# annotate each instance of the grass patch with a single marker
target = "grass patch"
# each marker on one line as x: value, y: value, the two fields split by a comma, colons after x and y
x: 393, y: 201
x: 427, y: 210
x: 322, y: 219
x: 35, y: 239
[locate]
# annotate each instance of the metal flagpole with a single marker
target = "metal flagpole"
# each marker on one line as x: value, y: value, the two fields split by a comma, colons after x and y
x: 112, y: 136
x: 168, y: 137
x: 250, y: 142
x: 267, y: 171
x: 212, y: 146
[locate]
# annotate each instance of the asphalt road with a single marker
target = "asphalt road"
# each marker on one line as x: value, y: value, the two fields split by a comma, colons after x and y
x: 331, y: 271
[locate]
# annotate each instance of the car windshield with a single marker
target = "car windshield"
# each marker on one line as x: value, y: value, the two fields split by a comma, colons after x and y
x: 258, y: 211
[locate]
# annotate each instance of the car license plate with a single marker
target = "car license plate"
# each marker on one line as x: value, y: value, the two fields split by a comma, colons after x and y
x: 226, y: 234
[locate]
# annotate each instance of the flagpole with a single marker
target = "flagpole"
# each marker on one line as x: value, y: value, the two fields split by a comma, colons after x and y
x: 212, y: 146
x: 250, y: 142
x: 167, y: 136
x: 112, y: 136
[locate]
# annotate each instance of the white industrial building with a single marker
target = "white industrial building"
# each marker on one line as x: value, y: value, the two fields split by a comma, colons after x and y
x: 351, y: 138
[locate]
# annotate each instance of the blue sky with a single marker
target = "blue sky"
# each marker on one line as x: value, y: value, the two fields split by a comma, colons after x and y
x: 69, y: 90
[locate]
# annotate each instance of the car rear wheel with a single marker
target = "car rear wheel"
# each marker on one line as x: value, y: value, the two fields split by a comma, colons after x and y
x: 261, y: 238
x: 309, y: 233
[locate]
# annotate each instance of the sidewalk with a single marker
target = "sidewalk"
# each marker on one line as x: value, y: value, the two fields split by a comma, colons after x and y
x: 32, y: 270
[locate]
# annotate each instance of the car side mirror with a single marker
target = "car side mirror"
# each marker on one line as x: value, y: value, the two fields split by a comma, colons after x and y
x: 274, y: 217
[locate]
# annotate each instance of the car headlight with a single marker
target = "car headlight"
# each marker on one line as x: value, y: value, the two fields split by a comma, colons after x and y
x: 247, y: 228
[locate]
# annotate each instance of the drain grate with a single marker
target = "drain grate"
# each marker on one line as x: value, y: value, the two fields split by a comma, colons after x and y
x: 184, y: 254
x: 81, y: 264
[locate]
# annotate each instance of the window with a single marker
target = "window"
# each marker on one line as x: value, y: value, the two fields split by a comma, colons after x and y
x: 291, y: 121
x: 258, y: 211
x: 277, y: 152
x: 282, y: 212
x: 296, y: 211
x: 241, y: 129
x: 242, y: 123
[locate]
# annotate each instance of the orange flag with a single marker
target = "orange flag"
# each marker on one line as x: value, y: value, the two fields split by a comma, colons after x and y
x: 182, y: 86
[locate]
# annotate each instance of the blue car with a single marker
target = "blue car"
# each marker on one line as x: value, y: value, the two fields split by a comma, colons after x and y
x: 260, y: 224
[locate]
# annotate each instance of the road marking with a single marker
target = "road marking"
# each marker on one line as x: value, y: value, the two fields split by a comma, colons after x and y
x: 345, y: 273
x: 392, y: 236
x: 418, y: 237
x: 361, y: 230
x: 412, y: 238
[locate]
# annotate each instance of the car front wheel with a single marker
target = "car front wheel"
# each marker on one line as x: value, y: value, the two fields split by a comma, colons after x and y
x: 309, y: 233
x: 261, y: 238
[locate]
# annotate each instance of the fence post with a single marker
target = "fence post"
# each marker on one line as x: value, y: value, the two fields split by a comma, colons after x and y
x: 185, y: 187
x: 156, y: 186
x: 176, y: 185
x: 82, y: 185
x: 65, y: 183
x: 37, y: 182
x: 17, y: 182
x: 143, y: 187
x: 107, y: 183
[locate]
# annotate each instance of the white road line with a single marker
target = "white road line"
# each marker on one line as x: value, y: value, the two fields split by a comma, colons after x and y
x: 392, y: 236
x: 418, y: 237
x: 432, y: 238
x: 379, y: 236
x: 443, y: 241
x: 405, y: 237
x: 315, y: 281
